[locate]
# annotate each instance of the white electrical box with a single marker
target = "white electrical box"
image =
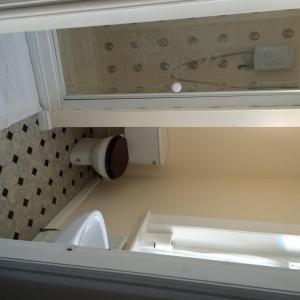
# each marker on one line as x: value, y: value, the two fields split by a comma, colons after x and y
x: 273, y: 58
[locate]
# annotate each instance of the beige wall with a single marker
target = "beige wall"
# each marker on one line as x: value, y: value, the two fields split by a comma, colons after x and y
x: 250, y: 174
x: 124, y: 201
x: 232, y: 152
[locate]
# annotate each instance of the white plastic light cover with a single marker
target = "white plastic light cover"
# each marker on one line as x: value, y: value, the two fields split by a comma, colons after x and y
x: 273, y: 58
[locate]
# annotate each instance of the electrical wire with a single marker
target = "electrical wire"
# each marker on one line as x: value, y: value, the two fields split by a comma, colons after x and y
x: 208, y: 60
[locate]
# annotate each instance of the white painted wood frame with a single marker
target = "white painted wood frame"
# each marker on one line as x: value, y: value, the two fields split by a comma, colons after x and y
x: 278, y: 280
x: 67, y: 14
x: 216, y: 109
x: 285, y: 117
x: 20, y: 3
x: 45, y: 65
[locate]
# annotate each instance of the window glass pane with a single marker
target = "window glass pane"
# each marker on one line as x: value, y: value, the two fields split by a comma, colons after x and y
x: 227, y: 53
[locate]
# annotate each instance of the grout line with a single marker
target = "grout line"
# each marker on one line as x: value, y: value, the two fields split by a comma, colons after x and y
x: 59, y: 219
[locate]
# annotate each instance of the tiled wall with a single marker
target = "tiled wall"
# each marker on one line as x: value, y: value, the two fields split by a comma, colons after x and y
x: 36, y: 177
x: 148, y: 57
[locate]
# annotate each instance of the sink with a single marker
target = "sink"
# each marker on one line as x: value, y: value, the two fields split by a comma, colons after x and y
x: 88, y: 230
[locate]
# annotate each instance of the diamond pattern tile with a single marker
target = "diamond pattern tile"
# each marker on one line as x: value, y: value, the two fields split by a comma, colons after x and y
x: 37, y: 179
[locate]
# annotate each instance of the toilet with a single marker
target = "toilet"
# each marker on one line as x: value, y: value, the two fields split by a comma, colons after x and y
x: 110, y: 156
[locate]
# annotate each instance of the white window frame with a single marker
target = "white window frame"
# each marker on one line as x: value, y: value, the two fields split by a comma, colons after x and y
x: 93, y: 13
x: 67, y: 14
x: 216, y: 109
x: 192, y: 100
x: 183, y: 269
x: 280, y: 108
